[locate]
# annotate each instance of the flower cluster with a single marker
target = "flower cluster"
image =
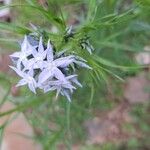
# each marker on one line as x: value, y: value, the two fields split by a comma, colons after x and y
x: 40, y: 67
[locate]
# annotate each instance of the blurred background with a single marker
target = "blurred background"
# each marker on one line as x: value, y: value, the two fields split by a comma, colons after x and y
x: 108, y: 114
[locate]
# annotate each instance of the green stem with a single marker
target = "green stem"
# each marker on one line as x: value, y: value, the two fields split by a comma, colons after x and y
x: 68, y: 126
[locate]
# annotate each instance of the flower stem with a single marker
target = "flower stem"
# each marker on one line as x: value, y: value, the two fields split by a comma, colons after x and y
x: 68, y: 126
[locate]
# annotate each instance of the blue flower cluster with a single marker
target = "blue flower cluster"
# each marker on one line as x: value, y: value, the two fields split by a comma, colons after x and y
x: 40, y: 67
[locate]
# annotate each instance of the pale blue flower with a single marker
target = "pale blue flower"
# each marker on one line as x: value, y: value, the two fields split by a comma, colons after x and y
x: 59, y: 85
x: 52, y: 67
x: 27, y: 78
x: 64, y: 88
x: 26, y: 50
x: 39, y: 54
x: 40, y: 67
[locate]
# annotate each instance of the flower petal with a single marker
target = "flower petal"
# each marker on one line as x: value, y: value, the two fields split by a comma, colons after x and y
x: 58, y: 92
x: 71, y: 76
x: 49, y: 50
x: 82, y: 64
x: 59, y: 75
x: 64, y: 61
x: 21, y: 82
x: 68, y: 86
x: 19, y: 72
x: 19, y: 64
x: 31, y: 72
x: 28, y: 64
x: 66, y: 93
x: 41, y: 47
x: 56, y: 83
x: 43, y: 54
x: 47, y: 89
x: 32, y: 87
x: 34, y: 53
x: 24, y: 44
x: 76, y: 82
x: 15, y: 55
x: 44, y: 75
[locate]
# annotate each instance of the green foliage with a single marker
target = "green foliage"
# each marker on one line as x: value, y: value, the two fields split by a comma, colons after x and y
x: 117, y: 29
x: 14, y: 28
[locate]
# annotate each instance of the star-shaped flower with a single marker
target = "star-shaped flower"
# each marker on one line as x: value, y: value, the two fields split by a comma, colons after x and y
x: 40, y: 67
x: 37, y: 62
x: 52, y: 66
x: 26, y: 50
x: 62, y: 87
x: 27, y: 78
x: 59, y: 86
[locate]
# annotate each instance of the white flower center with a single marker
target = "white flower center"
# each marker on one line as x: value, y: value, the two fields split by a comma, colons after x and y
x: 23, y: 56
x: 38, y: 58
x: 51, y: 65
